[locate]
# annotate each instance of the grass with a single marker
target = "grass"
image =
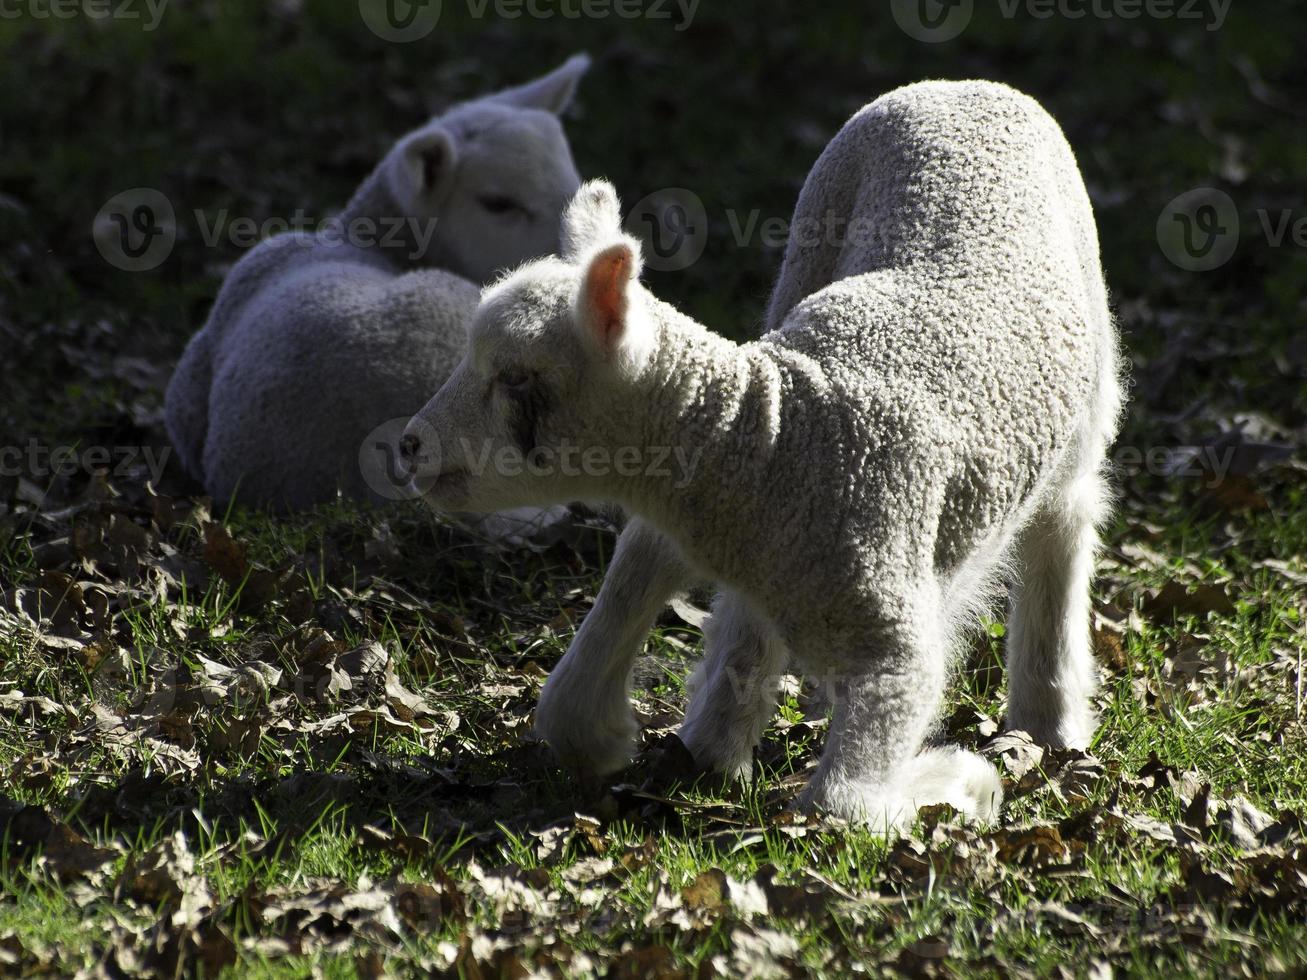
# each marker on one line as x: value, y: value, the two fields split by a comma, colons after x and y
x: 294, y: 797
x: 294, y: 811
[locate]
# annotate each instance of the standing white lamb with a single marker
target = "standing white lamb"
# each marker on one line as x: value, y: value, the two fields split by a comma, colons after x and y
x: 928, y: 417
x: 316, y: 339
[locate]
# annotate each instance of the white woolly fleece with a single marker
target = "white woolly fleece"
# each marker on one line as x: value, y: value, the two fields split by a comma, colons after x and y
x: 927, y: 419
x: 314, y: 341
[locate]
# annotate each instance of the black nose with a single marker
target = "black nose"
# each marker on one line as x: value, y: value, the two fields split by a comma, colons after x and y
x: 409, y: 446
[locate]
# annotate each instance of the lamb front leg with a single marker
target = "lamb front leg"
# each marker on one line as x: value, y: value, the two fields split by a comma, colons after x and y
x: 584, y: 711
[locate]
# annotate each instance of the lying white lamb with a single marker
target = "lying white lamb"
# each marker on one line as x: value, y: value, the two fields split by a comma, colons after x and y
x: 928, y: 417
x: 317, y: 339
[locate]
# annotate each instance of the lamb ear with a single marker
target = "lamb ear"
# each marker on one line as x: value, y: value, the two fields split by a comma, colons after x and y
x: 553, y: 92
x: 593, y: 216
x: 605, y: 311
x: 421, y: 167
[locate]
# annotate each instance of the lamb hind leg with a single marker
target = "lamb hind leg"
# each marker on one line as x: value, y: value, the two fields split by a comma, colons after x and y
x: 584, y: 711
x: 874, y: 769
x: 733, y: 692
x: 1051, y: 670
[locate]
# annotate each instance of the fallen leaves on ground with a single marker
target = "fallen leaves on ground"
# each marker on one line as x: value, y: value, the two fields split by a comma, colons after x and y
x: 217, y: 695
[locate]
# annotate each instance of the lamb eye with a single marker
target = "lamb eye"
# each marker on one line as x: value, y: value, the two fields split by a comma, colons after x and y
x: 514, y: 378
x: 497, y: 204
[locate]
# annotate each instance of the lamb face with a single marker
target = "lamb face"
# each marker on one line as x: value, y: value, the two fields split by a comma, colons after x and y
x: 556, y: 362
x: 378, y: 318
x: 927, y: 423
x: 492, y: 176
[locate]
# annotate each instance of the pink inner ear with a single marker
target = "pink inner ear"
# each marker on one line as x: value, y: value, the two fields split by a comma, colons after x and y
x: 605, y: 287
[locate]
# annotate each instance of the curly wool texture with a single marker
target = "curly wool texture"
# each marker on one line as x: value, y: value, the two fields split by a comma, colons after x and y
x: 926, y: 422
x: 278, y: 416
x: 316, y: 340
x: 931, y: 374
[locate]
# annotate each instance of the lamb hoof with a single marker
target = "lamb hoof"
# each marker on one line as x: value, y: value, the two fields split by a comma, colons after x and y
x: 963, y: 780
x: 718, y: 752
x: 1069, y: 733
x: 587, y: 745
x: 879, y: 811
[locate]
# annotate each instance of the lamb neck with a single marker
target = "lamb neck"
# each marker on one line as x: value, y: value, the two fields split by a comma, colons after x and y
x: 373, y: 217
x: 716, y: 405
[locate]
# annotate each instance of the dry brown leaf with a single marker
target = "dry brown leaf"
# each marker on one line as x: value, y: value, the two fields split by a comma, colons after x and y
x: 1174, y: 599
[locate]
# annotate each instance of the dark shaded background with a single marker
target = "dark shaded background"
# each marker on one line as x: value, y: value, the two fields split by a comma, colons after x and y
x: 264, y: 108
x: 261, y: 109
